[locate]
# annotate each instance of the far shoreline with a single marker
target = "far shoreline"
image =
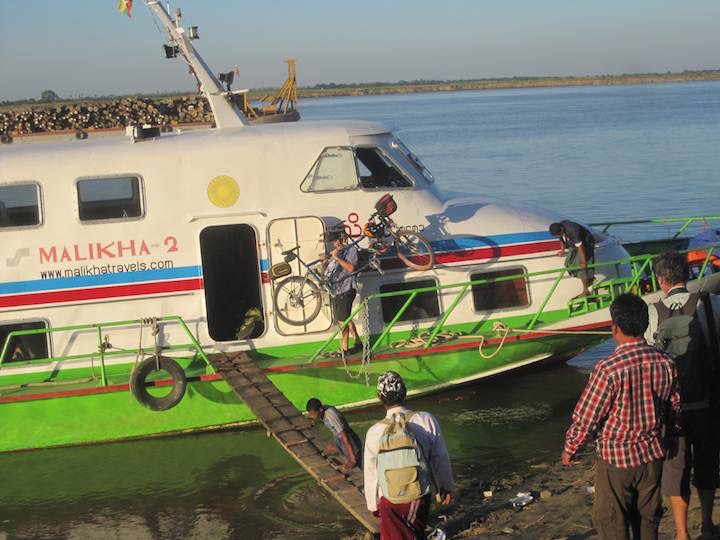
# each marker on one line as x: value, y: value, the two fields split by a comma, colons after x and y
x: 410, y: 87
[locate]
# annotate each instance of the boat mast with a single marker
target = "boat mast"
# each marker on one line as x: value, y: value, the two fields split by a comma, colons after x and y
x: 226, y: 114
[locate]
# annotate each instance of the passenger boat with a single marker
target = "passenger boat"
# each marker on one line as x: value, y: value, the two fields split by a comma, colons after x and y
x: 125, y: 254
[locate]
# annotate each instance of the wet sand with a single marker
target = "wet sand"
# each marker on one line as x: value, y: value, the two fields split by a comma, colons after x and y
x: 561, y: 509
x: 562, y: 506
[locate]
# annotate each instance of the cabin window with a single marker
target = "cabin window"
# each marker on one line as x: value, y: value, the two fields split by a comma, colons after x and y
x: 109, y: 198
x: 414, y: 160
x: 19, y: 205
x: 425, y: 305
x: 231, y: 277
x: 376, y: 171
x: 500, y: 294
x: 28, y: 347
x: 334, y: 170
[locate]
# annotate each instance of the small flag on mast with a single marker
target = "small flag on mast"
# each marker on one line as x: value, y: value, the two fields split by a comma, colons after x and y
x: 237, y: 70
x: 125, y: 6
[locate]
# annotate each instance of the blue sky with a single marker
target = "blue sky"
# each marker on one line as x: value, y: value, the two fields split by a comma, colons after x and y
x: 86, y: 47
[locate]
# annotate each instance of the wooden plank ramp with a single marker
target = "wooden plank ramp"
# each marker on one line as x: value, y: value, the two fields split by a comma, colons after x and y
x: 295, y: 433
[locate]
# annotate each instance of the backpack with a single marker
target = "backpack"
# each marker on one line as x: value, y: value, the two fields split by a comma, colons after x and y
x: 679, y: 334
x: 403, y: 472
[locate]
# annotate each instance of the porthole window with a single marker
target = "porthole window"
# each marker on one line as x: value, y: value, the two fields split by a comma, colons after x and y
x: 504, y: 294
x: 28, y: 347
x: 19, y: 205
x: 116, y: 197
x: 425, y: 305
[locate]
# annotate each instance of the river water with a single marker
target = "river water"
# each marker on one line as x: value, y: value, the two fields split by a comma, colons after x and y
x: 595, y: 154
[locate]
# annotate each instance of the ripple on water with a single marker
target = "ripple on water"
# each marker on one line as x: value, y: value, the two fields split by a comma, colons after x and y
x: 497, y: 416
x: 296, y: 504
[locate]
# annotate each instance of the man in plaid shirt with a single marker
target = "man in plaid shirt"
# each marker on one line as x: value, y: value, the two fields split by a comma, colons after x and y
x: 631, y: 397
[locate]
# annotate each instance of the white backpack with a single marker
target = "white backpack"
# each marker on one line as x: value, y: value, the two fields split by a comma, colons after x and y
x: 403, y: 473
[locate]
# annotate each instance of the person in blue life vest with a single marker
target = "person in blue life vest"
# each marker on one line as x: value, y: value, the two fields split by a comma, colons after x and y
x: 405, y: 458
x: 345, y: 440
x: 339, y: 268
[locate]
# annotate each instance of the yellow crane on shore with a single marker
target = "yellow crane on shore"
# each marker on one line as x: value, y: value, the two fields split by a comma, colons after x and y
x: 281, y: 107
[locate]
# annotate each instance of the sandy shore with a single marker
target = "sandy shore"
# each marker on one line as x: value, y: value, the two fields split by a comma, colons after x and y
x: 563, y: 498
x: 561, y: 509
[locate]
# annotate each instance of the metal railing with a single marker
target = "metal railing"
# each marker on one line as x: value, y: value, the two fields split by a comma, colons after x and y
x: 640, y: 267
x: 686, y: 222
x: 103, y: 349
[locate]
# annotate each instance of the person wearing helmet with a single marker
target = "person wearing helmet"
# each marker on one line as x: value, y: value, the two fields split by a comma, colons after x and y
x: 405, y: 520
x: 339, y: 269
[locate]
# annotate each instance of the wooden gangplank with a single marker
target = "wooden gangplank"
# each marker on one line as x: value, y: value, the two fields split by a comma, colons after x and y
x: 295, y: 433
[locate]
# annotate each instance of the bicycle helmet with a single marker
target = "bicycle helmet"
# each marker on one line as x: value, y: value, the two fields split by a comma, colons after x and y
x: 371, y: 230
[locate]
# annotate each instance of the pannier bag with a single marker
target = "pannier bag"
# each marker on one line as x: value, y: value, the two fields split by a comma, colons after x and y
x: 279, y: 270
x: 386, y: 206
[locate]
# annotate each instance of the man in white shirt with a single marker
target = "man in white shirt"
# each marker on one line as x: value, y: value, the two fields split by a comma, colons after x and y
x: 696, y: 448
x: 405, y: 520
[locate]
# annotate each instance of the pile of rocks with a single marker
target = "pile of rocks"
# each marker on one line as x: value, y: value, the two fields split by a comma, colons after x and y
x: 117, y: 113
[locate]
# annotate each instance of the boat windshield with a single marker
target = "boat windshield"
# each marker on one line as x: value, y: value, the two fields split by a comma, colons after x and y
x: 344, y: 168
x: 412, y: 158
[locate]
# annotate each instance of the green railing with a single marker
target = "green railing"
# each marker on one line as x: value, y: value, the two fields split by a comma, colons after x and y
x: 640, y: 267
x: 103, y: 350
x: 686, y: 222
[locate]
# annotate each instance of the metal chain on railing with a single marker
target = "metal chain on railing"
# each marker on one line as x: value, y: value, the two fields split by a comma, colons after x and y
x: 366, y: 352
x: 140, y: 354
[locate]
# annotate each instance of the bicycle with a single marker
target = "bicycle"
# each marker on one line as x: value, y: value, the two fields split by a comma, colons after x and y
x: 298, y: 299
x: 411, y: 247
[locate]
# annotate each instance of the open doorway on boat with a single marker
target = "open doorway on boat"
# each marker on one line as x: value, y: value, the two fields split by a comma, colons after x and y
x: 231, y: 275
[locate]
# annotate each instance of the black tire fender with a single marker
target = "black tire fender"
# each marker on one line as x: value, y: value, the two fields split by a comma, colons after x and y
x: 138, y: 383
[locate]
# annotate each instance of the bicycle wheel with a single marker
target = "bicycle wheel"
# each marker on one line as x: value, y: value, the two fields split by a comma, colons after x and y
x: 414, y: 250
x: 297, y: 300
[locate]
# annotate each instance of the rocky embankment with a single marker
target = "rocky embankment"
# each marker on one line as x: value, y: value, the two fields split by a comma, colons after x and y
x: 116, y: 113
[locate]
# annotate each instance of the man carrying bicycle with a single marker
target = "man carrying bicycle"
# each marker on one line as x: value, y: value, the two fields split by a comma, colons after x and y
x: 339, y: 269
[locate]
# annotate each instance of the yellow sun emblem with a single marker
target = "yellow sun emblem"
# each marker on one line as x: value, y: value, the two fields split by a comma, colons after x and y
x: 223, y: 191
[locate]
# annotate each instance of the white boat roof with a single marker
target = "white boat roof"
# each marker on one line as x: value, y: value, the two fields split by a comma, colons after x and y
x: 336, y: 130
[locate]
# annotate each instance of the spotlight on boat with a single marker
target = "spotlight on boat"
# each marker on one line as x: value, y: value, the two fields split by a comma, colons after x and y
x: 193, y: 32
x: 171, y: 51
x: 227, y: 78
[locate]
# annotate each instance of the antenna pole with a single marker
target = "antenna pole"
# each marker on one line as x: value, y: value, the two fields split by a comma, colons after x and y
x: 225, y: 112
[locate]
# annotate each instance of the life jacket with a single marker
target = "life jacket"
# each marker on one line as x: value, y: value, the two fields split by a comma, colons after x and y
x: 403, y: 473
x: 679, y: 334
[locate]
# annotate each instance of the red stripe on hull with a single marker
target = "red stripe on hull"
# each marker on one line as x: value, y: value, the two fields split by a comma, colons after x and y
x: 493, y: 252
x: 97, y: 293
x: 483, y: 253
x: 102, y: 389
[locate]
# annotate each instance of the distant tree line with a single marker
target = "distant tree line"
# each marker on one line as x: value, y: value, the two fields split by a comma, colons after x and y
x: 49, y: 96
